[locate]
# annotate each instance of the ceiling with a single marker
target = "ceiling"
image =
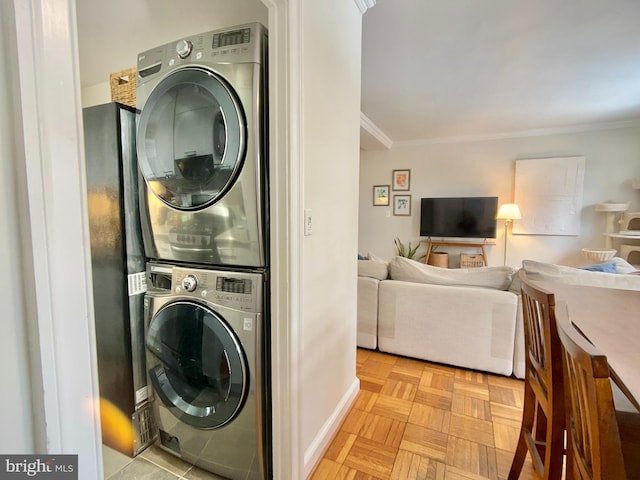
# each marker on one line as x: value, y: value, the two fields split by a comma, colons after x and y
x: 432, y: 70
x: 444, y: 69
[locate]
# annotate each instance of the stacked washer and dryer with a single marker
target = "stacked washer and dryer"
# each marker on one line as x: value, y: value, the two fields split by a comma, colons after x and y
x: 202, y: 152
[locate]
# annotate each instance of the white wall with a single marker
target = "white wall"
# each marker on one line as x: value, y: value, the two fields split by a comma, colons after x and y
x: 488, y: 168
x: 330, y: 49
x: 96, y: 95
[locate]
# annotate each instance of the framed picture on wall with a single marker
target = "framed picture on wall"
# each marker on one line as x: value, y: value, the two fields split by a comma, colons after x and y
x: 402, y: 204
x: 400, y: 179
x: 381, y: 195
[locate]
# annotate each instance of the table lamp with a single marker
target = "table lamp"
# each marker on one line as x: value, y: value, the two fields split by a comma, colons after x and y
x: 508, y: 212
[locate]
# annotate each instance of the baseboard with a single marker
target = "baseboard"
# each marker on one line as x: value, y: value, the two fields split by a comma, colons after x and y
x: 317, y: 448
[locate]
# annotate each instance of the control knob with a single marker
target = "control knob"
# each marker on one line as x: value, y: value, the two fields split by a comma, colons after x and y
x: 189, y: 283
x: 183, y: 48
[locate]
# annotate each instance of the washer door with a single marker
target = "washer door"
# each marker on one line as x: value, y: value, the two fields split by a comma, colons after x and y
x: 202, y: 375
x: 191, y: 138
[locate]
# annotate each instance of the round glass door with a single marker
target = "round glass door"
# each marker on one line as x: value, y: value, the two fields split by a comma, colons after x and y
x: 200, y: 372
x: 191, y: 139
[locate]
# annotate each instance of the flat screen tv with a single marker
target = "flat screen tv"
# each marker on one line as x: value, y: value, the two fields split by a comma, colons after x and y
x: 468, y: 217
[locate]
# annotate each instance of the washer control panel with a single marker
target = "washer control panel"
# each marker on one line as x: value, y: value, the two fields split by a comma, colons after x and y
x: 239, y: 290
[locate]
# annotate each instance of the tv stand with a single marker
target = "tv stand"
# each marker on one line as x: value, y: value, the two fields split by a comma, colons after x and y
x: 431, y: 244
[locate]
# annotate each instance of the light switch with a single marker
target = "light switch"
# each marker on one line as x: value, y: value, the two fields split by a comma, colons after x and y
x: 307, y: 222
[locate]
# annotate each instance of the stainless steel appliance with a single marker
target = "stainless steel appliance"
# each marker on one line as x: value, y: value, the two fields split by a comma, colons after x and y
x: 118, y: 270
x: 202, y: 148
x: 205, y: 358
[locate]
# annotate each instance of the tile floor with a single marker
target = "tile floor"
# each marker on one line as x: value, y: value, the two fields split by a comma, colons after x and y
x: 152, y: 464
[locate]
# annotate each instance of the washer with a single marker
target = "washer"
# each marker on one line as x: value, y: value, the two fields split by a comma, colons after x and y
x: 201, y: 141
x: 205, y: 346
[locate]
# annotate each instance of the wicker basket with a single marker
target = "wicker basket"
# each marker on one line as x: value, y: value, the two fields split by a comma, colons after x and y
x: 598, y: 254
x: 123, y: 87
x: 469, y: 260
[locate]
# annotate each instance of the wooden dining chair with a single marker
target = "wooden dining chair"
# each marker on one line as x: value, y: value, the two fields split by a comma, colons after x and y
x: 594, y: 447
x: 542, y: 430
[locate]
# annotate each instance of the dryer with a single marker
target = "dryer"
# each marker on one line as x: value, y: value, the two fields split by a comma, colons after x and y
x: 205, y: 346
x: 202, y: 148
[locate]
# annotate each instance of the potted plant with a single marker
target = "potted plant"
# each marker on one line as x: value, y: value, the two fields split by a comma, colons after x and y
x: 407, y: 251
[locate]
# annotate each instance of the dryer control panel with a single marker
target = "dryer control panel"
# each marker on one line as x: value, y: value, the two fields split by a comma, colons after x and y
x: 240, y: 44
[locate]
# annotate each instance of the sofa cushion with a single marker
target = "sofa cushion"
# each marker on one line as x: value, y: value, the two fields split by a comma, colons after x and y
x: 374, y: 268
x: 401, y: 268
x: 577, y: 276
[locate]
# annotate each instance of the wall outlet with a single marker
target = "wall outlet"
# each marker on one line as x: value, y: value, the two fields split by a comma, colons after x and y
x: 307, y: 222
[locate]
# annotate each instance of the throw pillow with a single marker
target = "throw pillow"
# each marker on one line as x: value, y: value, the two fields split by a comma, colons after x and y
x: 374, y: 257
x: 602, y: 267
x: 401, y: 268
x: 516, y: 283
x: 374, y: 268
x: 622, y: 266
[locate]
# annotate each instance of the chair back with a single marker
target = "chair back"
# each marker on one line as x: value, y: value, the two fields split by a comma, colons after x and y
x: 542, y: 347
x: 593, y: 442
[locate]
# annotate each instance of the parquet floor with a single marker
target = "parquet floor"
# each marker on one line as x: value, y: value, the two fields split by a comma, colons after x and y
x: 415, y: 420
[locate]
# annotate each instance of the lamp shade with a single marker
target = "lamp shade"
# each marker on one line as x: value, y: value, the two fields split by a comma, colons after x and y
x: 509, y: 211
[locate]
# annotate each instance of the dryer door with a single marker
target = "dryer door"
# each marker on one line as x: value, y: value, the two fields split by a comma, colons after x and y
x: 191, y: 138
x: 199, y: 369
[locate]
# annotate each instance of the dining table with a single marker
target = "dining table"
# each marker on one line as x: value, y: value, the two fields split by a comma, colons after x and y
x: 610, y: 319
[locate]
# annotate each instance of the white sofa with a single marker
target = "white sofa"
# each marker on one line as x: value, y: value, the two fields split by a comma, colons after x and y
x: 370, y: 272
x: 462, y: 317
x: 470, y: 318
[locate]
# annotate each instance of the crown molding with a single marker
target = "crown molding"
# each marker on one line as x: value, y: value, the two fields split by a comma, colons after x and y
x: 364, y: 5
x: 592, y: 127
x: 373, y: 133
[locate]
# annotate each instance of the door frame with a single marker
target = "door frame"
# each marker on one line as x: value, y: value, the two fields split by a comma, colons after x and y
x: 63, y: 347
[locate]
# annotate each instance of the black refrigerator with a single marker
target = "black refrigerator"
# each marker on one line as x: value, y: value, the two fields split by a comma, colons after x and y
x: 118, y: 274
